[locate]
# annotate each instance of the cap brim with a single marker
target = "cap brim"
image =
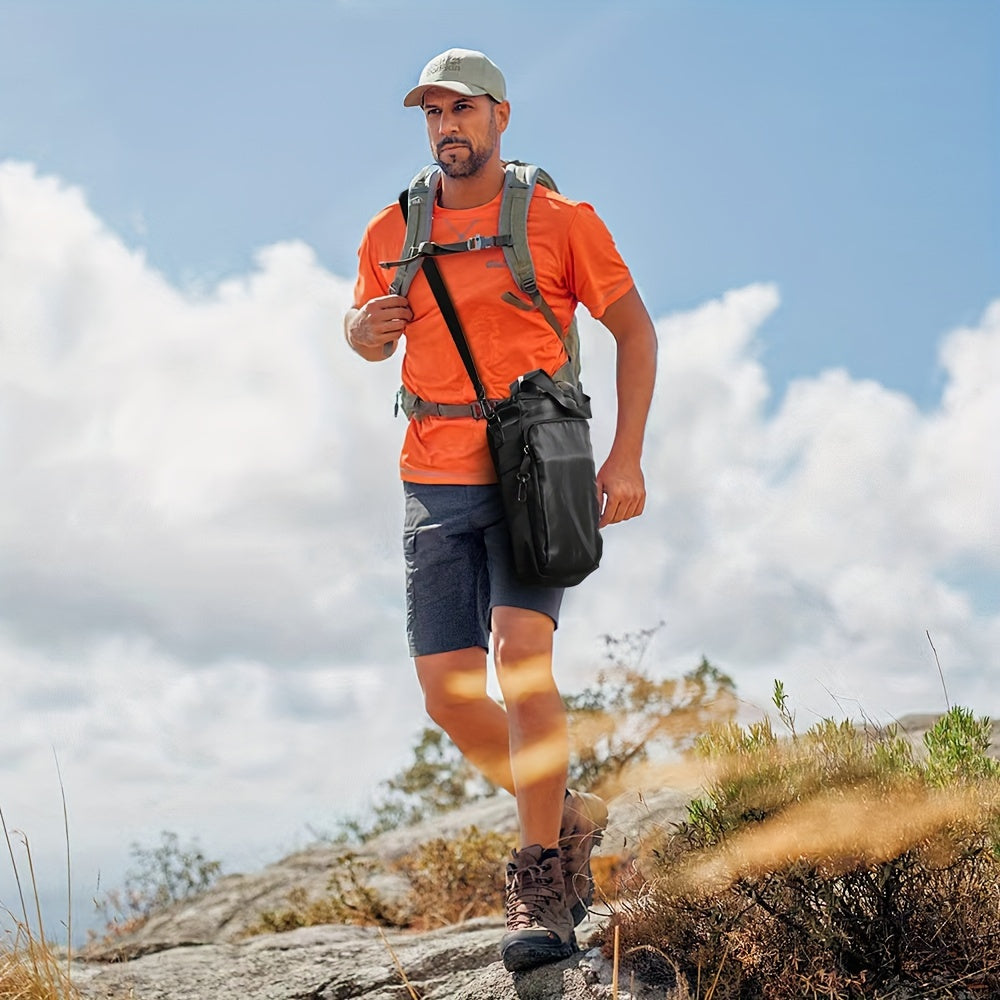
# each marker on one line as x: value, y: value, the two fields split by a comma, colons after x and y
x: 415, y: 96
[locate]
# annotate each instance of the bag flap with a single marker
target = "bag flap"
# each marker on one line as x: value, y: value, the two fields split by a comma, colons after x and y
x: 539, y: 383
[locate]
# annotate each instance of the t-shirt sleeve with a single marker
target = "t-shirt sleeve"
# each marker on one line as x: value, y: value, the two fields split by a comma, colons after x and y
x: 382, y: 241
x: 371, y: 281
x: 597, y: 273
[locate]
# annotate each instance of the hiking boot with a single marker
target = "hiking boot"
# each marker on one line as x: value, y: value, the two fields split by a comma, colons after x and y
x: 539, y: 927
x: 584, y: 818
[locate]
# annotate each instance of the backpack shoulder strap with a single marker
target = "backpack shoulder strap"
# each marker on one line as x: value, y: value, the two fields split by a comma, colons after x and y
x: 417, y: 204
x: 519, y: 187
x: 420, y: 198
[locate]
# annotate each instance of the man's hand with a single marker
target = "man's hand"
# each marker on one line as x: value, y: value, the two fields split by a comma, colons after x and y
x: 621, y: 491
x: 373, y: 331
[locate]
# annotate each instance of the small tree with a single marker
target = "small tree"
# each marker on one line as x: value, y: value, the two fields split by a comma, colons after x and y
x: 628, y: 717
x: 624, y: 718
x: 170, y: 872
x: 167, y: 873
x: 437, y: 779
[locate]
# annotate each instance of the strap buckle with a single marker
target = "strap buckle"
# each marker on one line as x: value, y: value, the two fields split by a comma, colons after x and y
x: 482, y: 409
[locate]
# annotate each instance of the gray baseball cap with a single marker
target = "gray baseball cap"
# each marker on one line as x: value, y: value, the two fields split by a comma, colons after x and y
x: 465, y: 71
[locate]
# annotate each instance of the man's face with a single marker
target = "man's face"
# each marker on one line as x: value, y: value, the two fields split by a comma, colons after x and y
x: 463, y: 131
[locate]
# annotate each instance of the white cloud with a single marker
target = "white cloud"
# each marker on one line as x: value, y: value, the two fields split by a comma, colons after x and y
x: 184, y: 465
x: 200, y: 580
x: 818, y: 543
x: 958, y: 458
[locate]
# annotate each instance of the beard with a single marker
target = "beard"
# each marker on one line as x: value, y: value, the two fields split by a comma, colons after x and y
x: 473, y: 162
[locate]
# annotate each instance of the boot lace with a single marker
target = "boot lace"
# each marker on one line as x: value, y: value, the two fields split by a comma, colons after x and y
x: 530, y: 896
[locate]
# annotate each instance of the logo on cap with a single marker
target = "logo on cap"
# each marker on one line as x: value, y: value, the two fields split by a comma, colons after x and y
x: 445, y: 64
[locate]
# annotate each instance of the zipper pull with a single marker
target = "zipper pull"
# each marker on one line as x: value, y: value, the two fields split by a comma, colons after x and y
x: 523, y: 475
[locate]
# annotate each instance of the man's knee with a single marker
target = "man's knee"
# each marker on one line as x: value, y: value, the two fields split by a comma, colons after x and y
x: 450, y: 681
x: 522, y: 638
x: 522, y: 649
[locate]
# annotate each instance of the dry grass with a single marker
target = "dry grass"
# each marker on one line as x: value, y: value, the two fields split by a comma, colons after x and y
x: 447, y: 880
x: 410, y: 988
x: 30, y: 966
x: 455, y: 880
x: 31, y: 970
x: 827, y: 865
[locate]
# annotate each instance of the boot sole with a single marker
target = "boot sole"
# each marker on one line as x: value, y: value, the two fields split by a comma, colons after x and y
x: 522, y: 955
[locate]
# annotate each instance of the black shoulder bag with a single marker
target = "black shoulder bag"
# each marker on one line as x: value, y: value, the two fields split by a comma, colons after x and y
x: 539, y: 439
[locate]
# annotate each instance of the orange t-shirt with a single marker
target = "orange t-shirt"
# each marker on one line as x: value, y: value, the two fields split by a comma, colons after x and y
x: 575, y: 261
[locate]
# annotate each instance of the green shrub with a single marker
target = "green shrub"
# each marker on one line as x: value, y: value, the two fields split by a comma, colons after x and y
x: 828, y: 864
x: 437, y: 780
x: 957, y: 746
x: 455, y: 880
x: 351, y: 899
x: 167, y: 873
x: 448, y: 880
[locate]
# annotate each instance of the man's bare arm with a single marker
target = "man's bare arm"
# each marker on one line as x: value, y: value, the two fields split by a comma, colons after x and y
x: 373, y: 331
x: 621, y: 488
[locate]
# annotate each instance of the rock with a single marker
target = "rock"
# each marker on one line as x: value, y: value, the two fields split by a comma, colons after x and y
x: 198, y: 949
x: 325, y: 963
x: 343, y: 963
x: 497, y: 814
x: 228, y: 911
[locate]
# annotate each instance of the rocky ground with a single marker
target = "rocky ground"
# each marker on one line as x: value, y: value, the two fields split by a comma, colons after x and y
x: 199, y: 950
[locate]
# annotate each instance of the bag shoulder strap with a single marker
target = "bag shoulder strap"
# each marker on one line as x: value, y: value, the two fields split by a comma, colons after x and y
x: 441, y: 295
x: 447, y: 307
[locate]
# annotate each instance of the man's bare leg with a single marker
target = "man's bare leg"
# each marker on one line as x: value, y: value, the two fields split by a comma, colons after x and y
x: 454, y: 686
x: 523, y: 749
x: 536, y: 720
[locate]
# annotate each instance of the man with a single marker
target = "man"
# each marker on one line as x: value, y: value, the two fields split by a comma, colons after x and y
x: 460, y: 581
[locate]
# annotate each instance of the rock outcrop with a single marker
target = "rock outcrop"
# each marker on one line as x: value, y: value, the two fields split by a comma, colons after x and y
x: 338, y: 963
x: 199, y: 950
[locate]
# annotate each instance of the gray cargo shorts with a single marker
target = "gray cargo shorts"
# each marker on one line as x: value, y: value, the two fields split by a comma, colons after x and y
x: 459, y: 567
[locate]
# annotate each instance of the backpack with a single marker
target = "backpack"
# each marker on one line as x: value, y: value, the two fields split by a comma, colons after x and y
x: 417, y: 204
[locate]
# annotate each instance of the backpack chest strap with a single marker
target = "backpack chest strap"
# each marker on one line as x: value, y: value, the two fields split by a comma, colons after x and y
x: 428, y: 248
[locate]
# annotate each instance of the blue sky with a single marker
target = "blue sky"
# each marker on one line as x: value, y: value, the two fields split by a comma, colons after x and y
x: 200, y: 574
x: 848, y: 151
